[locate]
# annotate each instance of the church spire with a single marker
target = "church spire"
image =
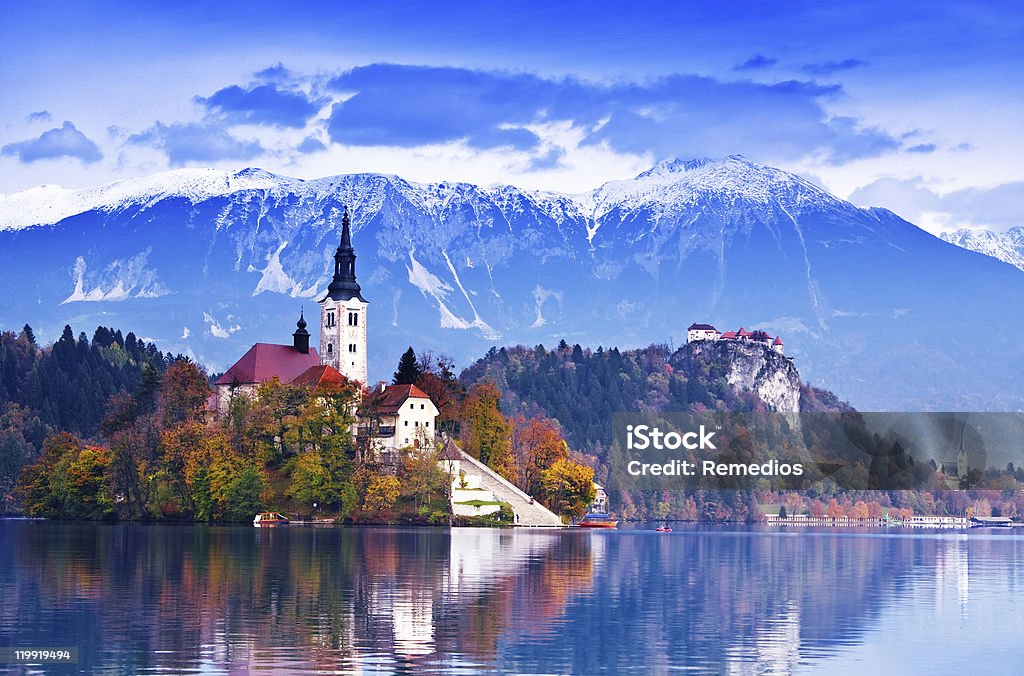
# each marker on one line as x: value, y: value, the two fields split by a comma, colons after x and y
x: 301, y: 336
x: 344, y: 285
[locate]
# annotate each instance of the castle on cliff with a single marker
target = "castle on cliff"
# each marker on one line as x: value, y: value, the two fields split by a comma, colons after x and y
x: 709, y: 332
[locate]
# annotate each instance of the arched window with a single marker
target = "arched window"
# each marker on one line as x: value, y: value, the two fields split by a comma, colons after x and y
x: 330, y: 319
x: 330, y: 348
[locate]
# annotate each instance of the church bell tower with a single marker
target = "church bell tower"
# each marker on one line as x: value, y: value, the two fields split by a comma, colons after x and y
x: 343, y: 313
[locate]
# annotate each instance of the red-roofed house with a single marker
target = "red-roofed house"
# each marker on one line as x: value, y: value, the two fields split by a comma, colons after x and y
x: 407, y: 417
x: 264, y: 362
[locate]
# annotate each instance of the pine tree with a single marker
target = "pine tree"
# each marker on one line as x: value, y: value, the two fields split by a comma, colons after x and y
x: 408, y: 369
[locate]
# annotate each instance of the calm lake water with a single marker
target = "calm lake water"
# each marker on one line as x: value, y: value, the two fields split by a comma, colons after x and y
x: 179, y: 599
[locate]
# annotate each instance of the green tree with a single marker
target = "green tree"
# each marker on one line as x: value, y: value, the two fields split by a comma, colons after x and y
x: 243, y: 499
x: 408, y: 369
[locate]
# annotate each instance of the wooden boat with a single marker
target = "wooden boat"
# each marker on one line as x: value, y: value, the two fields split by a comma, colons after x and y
x: 598, y: 521
x: 269, y: 519
x: 663, y: 529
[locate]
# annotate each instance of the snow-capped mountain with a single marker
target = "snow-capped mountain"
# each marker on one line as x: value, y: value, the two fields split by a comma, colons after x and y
x: 208, y: 262
x: 1005, y: 246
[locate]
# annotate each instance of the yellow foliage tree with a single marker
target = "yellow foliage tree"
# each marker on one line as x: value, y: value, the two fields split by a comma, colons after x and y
x: 569, y: 488
x: 382, y: 492
x: 485, y: 432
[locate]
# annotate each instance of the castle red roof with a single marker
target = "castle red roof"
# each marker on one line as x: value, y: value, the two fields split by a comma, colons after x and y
x: 393, y: 396
x: 321, y: 374
x: 264, y: 361
x: 778, y: 341
x: 729, y: 334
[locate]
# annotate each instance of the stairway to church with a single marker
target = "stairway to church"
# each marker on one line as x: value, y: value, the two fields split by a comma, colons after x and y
x: 528, y: 512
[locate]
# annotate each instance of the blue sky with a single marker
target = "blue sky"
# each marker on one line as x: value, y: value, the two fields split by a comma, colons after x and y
x: 912, y: 106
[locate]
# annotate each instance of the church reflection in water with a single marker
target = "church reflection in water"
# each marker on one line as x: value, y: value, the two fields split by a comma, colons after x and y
x: 432, y: 600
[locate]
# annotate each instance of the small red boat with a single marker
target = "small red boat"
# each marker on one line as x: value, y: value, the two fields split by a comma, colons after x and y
x: 598, y: 521
x: 663, y: 529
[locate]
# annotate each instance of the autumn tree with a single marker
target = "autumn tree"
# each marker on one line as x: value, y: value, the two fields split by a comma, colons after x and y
x: 537, y: 444
x: 68, y: 482
x: 382, y: 492
x: 485, y: 432
x: 569, y: 488
x: 276, y: 409
x: 183, y: 394
x: 438, y: 381
x: 422, y: 479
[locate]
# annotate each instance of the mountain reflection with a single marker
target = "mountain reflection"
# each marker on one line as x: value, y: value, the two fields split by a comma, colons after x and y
x: 228, y: 600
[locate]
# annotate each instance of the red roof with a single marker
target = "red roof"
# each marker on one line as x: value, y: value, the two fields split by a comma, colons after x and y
x: 729, y: 334
x: 321, y: 374
x: 393, y: 396
x: 264, y: 362
x: 778, y: 341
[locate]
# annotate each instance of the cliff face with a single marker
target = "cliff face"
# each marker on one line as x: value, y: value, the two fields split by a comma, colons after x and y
x: 745, y: 366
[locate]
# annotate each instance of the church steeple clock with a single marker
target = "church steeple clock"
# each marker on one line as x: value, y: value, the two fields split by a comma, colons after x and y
x: 343, y: 313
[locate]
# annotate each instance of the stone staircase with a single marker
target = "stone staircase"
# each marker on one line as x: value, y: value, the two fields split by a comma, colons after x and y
x: 528, y: 512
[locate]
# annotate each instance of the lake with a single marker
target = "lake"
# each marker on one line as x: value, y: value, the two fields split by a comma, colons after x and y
x: 182, y: 599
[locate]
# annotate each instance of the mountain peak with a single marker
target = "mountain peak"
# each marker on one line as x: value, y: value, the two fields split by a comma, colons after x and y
x: 673, y: 166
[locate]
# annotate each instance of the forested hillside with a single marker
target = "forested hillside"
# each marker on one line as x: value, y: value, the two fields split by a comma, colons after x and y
x: 63, y: 387
x: 582, y: 388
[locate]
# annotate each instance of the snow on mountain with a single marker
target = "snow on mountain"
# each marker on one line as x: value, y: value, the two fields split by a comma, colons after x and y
x: 49, y: 204
x: 869, y: 305
x: 1005, y: 246
x: 671, y: 183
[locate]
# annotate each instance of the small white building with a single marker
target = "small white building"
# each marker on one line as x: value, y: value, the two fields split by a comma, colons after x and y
x: 701, y: 332
x: 600, y: 503
x: 403, y: 416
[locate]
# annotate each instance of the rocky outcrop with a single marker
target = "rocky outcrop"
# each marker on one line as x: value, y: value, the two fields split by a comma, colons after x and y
x: 745, y: 366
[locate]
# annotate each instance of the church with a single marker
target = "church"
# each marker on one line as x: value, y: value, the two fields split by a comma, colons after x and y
x: 410, y: 414
x: 954, y: 474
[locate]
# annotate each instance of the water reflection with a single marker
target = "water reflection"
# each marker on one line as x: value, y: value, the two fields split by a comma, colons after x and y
x: 138, y: 599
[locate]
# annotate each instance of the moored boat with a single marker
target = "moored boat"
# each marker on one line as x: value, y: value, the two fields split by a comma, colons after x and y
x: 598, y: 521
x: 270, y: 519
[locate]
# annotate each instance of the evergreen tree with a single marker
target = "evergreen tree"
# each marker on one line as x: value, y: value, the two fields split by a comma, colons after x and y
x: 408, y: 369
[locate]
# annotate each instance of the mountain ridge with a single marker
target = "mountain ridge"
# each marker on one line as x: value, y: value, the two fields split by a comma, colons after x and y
x: 868, y: 303
x: 1007, y: 247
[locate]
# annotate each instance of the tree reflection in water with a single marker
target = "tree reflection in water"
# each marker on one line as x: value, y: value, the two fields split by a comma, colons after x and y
x: 136, y: 598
